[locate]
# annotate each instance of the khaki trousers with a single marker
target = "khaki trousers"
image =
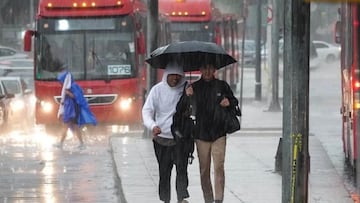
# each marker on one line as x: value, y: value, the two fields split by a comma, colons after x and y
x: 215, y: 151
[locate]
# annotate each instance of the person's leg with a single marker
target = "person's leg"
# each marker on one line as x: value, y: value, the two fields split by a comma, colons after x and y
x: 75, y: 127
x: 77, y: 132
x: 63, y: 133
x: 181, y: 162
x: 204, y: 155
x: 165, y: 162
x: 64, y: 129
x: 218, y: 154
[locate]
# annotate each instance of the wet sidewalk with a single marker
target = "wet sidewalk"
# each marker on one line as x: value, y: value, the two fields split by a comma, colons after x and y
x: 249, y: 165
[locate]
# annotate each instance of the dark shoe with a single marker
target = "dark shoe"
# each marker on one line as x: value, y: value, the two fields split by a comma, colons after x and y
x: 183, y: 201
x: 218, y: 201
x: 81, y: 146
x: 58, y: 145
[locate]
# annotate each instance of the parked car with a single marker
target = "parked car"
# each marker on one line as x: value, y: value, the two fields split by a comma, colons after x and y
x: 327, y: 52
x: 249, y: 51
x: 9, y: 53
x: 19, y: 67
x: 17, y: 62
x: 314, y: 58
x: 4, y: 107
x: 22, y: 106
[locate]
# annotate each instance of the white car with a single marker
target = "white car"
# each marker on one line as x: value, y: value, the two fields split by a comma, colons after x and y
x: 9, y: 53
x: 327, y: 52
x: 5, y: 99
x: 19, y: 67
x: 314, y: 58
x: 23, y: 104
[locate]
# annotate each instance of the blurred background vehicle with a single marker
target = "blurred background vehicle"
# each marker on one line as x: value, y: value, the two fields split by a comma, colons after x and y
x: 315, y: 59
x: 20, y: 67
x: 249, y: 51
x: 22, y: 105
x: 9, y: 53
x: 327, y: 52
x: 4, y: 107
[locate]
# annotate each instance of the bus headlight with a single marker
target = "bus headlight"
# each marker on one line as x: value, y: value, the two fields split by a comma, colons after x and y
x: 46, y: 107
x: 125, y: 103
x: 357, y: 105
x: 357, y: 100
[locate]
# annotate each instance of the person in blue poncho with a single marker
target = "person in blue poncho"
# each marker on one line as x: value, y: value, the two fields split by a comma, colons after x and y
x: 74, y: 109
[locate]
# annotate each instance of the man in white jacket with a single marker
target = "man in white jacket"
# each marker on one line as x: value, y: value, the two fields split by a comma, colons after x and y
x: 157, y: 113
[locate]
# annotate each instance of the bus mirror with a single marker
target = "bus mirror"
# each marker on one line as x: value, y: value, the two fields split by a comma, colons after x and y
x: 337, y: 33
x: 141, y: 43
x: 27, y: 40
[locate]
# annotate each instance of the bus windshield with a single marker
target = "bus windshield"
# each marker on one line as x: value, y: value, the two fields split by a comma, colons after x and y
x: 191, y: 31
x: 102, y: 52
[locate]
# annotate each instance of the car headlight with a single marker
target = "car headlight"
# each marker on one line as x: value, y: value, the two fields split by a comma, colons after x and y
x: 17, y: 105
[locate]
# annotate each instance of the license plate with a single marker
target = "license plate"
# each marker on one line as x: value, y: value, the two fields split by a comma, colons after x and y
x: 119, y: 70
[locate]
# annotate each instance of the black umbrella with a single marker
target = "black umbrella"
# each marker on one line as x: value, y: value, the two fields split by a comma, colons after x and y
x: 191, y: 55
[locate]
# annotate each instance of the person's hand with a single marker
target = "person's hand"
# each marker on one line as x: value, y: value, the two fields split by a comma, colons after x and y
x: 68, y: 92
x: 225, y: 102
x: 189, y: 91
x: 156, y: 130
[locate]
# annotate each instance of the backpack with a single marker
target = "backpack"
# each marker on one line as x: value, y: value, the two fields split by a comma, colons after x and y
x: 183, y: 125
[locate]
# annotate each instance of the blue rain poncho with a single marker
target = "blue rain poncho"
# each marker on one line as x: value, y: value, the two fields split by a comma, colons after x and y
x: 71, y: 107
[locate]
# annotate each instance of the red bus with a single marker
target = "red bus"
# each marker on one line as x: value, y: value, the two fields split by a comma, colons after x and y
x: 82, y: 35
x: 347, y: 33
x: 200, y: 20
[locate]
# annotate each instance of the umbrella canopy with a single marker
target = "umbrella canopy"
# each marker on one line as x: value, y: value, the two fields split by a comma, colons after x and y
x: 191, y: 55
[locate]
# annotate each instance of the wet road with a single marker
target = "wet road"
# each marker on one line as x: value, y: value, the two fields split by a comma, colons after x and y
x: 32, y: 170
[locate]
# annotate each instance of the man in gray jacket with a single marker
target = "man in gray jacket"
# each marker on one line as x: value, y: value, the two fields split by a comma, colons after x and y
x: 157, y: 113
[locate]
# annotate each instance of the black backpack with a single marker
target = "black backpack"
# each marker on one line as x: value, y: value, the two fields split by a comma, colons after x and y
x: 183, y: 125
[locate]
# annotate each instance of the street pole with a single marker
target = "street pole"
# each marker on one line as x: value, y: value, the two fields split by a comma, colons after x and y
x: 152, y: 39
x: 258, y: 52
x: 287, y: 110
x: 296, y: 76
x: 31, y: 14
x: 274, y: 54
x: 152, y: 36
x: 244, y: 16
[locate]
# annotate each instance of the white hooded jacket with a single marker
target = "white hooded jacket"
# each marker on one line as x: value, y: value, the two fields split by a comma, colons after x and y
x: 160, y: 104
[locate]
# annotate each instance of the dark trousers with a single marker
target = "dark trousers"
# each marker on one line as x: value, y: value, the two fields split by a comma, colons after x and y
x: 166, y: 157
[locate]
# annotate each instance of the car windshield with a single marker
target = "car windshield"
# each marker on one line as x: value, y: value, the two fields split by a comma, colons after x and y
x: 25, y: 73
x: 1, y: 90
x: 249, y: 45
x: 12, y: 86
